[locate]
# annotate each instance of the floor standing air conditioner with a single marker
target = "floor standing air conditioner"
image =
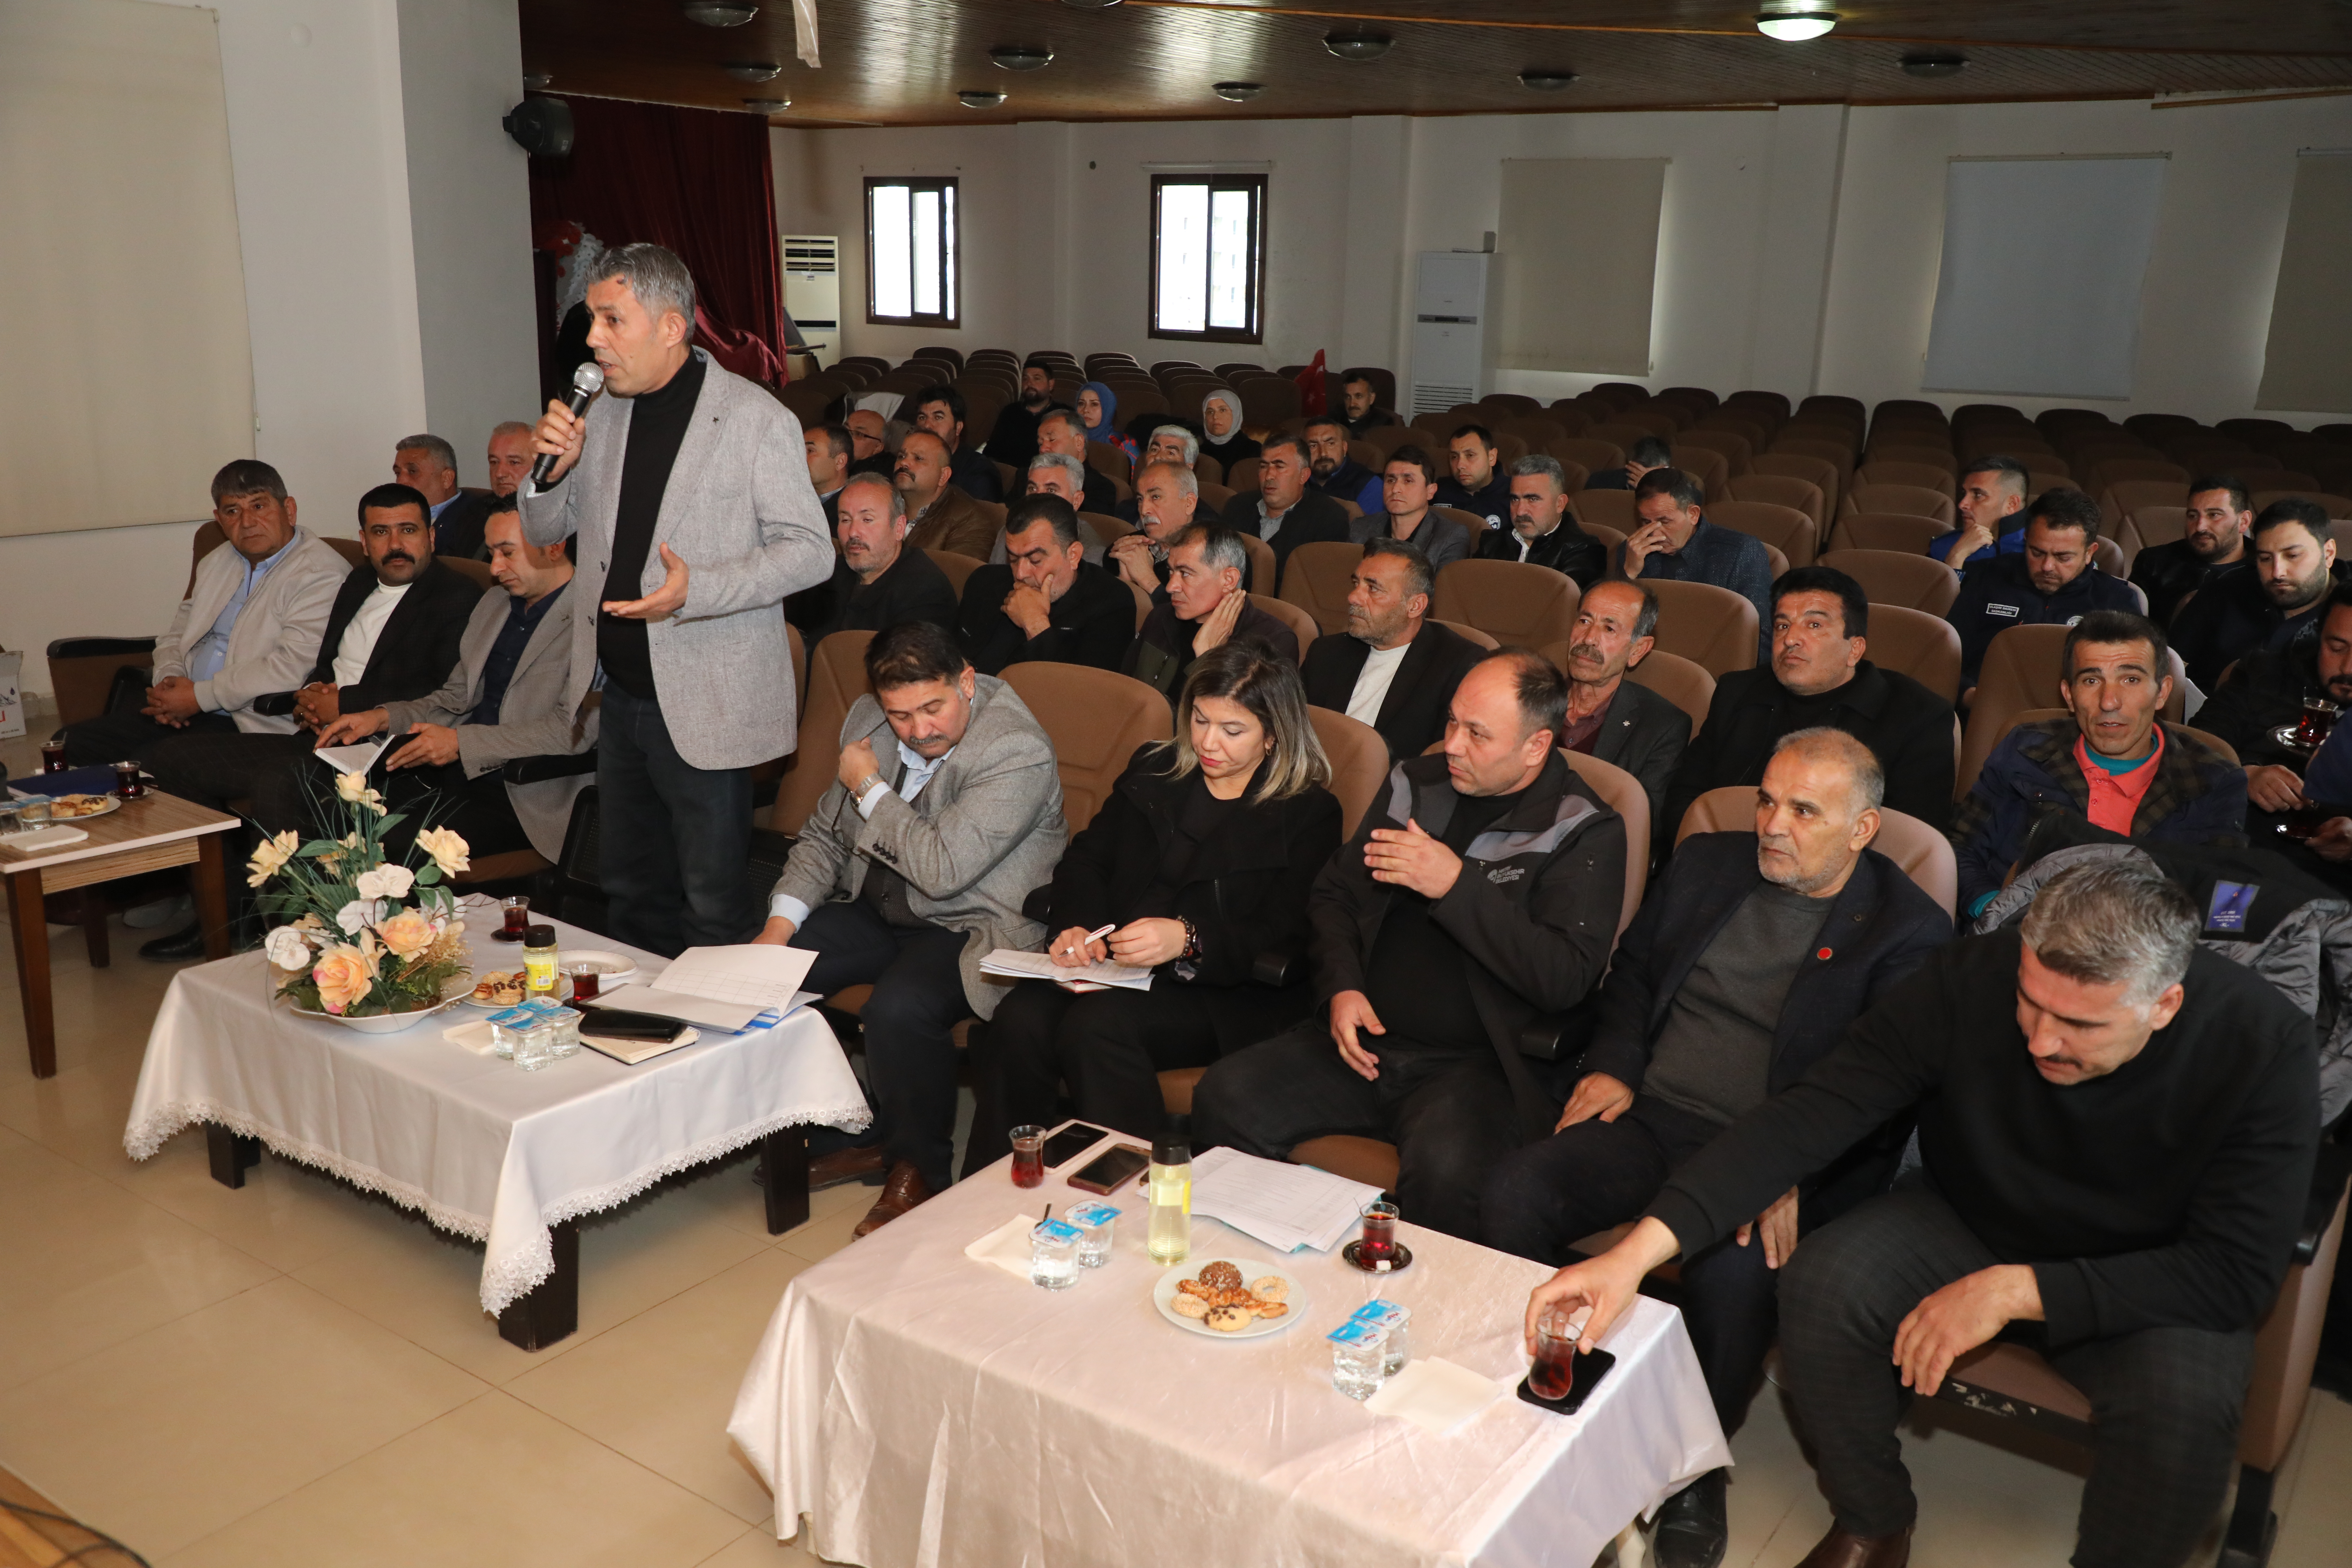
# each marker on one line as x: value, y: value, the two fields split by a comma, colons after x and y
x: 812, y: 291
x: 1452, y: 329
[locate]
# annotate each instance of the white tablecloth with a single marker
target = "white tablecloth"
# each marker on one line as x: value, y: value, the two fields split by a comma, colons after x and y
x: 482, y: 1148
x: 923, y: 1408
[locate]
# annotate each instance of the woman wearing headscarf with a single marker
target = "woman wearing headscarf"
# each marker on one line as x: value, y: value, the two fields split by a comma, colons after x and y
x: 1097, y: 407
x: 1221, y: 416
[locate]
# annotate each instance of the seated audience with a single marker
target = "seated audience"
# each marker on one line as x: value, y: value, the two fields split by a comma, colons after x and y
x: 828, y: 448
x: 1166, y: 496
x: 2051, y: 581
x: 250, y: 625
x: 2113, y: 761
x: 2268, y: 691
x: 1170, y: 444
x: 1285, y: 511
x: 1614, y: 718
x: 1061, y: 434
x: 1047, y: 601
x: 429, y: 465
x: 1432, y: 951
x: 1337, y: 474
x: 941, y: 411
x: 1820, y: 675
x: 1207, y: 606
x: 2117, y: 1129
x: 1721, y: 994
x: 1097, y: 412
x: 1358, y: 401
x: 1014, y: 441
x: 879, y: 577
x: 1392, y: 668
x: 1220, y: 417
x: 1543, y: 528
x: 1646, y: 455
x: 1409, y: 494
x: 869, y: 443
x: 509, y: 458
x: 945, y: 813
x: 505, y: 699
x: 2293, y: 569
x: 1991, y: 504
x: 1472, y: 485
x: 2212, y: 543
x: 1202, y: 856
x: 938, y: 515
x: 1675, y: 543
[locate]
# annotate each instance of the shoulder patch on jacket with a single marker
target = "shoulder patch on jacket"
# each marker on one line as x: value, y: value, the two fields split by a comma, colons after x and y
x: 2008, y: 612
x: 1495, y: 845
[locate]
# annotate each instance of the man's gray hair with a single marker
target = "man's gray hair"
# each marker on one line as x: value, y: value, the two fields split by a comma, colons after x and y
x: 510, y: 427
x: 1185, y: 480
x: 440, y: 450
x: 1823, y: 744
x: 1192, y: 442
x: 897, y: 497
x: 656, y: 275
x: 1417, y: 577
x: 1075, y: 470
x: 1219, y: 547
x: 1545, y: 465
x: 2115, y: 922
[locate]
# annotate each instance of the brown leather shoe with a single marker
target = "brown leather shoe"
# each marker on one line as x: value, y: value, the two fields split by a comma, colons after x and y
x: 867, y: 1164
x: 902, y: 1190
x: 1840, y: 1548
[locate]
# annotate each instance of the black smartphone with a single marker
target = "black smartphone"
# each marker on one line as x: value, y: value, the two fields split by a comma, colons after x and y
x: 1111, y: 1170
x: 1072, y: 1141
x: 618, y: 1024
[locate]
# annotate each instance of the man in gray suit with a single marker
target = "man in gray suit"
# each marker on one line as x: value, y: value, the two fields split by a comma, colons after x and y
x: 911, y: 870
x: 688, y: 488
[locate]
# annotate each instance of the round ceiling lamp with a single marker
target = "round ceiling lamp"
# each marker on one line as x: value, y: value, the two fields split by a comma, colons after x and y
x: 1794, y: 26
x: 1933, y: 64
x: 1238, y: 91
x: 1358, y: 47
x: 1546, y: 81
x: 980, y: 98
x: 1022, y: 56
x: 719, y: 13
x: 753, y: 70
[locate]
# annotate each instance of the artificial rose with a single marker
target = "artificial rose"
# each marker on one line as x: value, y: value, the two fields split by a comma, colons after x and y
x: 344, y: 975
x: 354, y: 788
x: 407, y: 933
x: 359, y: 912
x: 270, y: 857
x: 448, y: 850
x: 385, y: 882
x: 286, y: 948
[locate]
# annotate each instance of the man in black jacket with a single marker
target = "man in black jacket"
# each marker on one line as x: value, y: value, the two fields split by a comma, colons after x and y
x: 1746, y: 965
x: 1287, y: 512
x: 1336, y: 473
x: 1014, y: 441
x: 1820, y: 633
x: 2269, y: 605
x: 2052, y: 582
x: 941, y: 411
x: 1474, y: 486
x: 2266, y: 692
x: 1390, y: 668
x: 1478, y: 900
x: 1048, y: 601
x: 2117, y: 1129
x: 1645, y: 457
x: 1207, y: 606
x: 1543, y: 528
x: 1609, y: 717
x: 879, y: 579
x: 2213, y: 541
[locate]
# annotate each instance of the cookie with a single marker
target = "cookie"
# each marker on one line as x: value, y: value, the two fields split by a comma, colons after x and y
x: 1273, y: 1287
x: 1228, y: 1320
x: 1189, y: 1306
x: 1221, y: 1277
x: 1266, y: 1308
x: 1195, y: 1289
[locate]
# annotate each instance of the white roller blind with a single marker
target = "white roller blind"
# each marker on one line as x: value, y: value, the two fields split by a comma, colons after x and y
x: 1579, y: 263
x: 2308, y: 365
x: 131, y: 373
x: 2038, y: 294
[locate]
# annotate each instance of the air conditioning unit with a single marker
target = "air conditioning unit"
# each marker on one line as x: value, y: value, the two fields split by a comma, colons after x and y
x: 812, y: 265
x: 1452, y: 329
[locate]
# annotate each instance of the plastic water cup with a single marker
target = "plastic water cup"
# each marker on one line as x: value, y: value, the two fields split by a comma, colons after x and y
x: 1054, y: 1254
x: 1359, y: 1358
x: 1093, y: 1222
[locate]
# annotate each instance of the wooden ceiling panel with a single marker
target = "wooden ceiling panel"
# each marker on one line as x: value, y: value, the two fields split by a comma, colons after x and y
x: 901, y: 62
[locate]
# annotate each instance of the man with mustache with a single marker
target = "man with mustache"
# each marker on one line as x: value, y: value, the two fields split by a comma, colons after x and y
x: 1392, y: 668
x: 880, y: 578
x: 2271, y: 606
x: 940, y: 516
x: 1609, y: 717
x: 2213, y: 541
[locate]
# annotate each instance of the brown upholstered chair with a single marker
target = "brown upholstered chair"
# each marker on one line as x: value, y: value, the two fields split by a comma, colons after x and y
x: 1679, y: 681
x: 958, y: 566
x: 1360, y: 764
x: 1587, y: 452
x: 2159, y: 524
x: 1878, y: 470
x: 1914, y: 501
x: 1784, y: 527
x: 1096, y: 718
x: 1738, y: 456
x: 836, y: 679
x: 1925, y: 854
x: 1819, y: 472
x: 1302, y: 625
x: 1707, y: 466
x: 1516, y: 603
x: 1895, y: 577
x: 1472, y: 526
x: 351, y: 550
x: 1916, y: 644
x: 1469, y: 633
x: 82, y: 669
x: 1781, y: 489
x: 1242, y: 477
x: 1315, y: 579
x: 1886, y: 530
x: 477, y: 573
x: 1713, y: 628
x: 1933, y: 455
x: 1610, y: 508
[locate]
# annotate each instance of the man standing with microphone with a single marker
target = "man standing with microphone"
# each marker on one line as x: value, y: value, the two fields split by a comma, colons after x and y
x: 687, y: 489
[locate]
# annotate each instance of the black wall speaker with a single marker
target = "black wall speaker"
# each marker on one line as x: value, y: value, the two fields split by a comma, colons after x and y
x: 541, y: 126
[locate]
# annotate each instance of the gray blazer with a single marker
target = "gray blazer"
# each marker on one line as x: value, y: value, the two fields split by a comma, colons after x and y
x: 739, y: 511
x: 1440, y: 537
x: 983, y: 834
x: 277, y: 635
x: 536, y: 718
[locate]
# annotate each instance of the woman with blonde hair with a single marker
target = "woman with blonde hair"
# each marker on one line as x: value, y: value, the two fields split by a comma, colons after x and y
x: 1200, y: 861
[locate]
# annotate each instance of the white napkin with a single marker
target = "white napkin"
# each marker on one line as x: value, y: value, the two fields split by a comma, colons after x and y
x: 474, y: 1036
x: 1435, y: 1396
x: 1007, y: 1247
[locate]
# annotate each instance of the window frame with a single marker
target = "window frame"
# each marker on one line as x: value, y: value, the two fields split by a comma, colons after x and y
x: 1253, y: 334
x: 951, y: 253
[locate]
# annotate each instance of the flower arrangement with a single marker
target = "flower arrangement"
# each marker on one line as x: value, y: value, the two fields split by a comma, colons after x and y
x: 355, y: 945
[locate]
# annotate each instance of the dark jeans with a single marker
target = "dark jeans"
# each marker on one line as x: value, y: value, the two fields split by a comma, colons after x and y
x: 909, y: 1023
x: 1545, y: 1198
x: 132, y: 737
x: 1110, y: 1046
x: 217, y: 766
x: 677, y: 838
x: 2166, y: 1401
x: 1450, y: 1114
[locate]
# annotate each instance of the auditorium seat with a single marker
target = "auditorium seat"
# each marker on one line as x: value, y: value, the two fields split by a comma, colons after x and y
x: 1784, y: 527
x: 1705, y: 466
x: 1739, y: 457
x: 1473, y: 527
x: 1302, y: 625
x: 1781, y: 489
x: 1469, y: 633
x: 1913, y: 501
x: 1111, y: 462
x: 1242, y: 477
x: 1610, y: 508
x: 2337, y: 507
x: 1096, y: 719
x: 957, y: 567
x: 1912, y: 581
x: 1916, y: 644
x: 1886, y: 530
x: 1878, y: 470
x: 1679, y: 681
x: 836, y: 679
x: 1923, y: 852
x: 1713, y: 628
x: 1516, y: 603
x: 1315, y: 579
x: 1360, y: 764
x: 1935, y: 455
x: 1819, y: 472
x: 1261, y: 560
x: 1587, y: 452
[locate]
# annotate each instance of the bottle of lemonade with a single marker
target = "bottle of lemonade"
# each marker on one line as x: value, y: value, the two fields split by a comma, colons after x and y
x: 1169, y: 1189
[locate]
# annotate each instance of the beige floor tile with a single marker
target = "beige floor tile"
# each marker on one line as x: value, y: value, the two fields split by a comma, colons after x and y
x: 756, y: 1548
x: 87, y: 1265
x: 833, y: 1214
x: 2315, y: 1528
x: 492, y: 1482
x: 659, y: 1387
x: 166, y: 1438
x: 1768, y: 1480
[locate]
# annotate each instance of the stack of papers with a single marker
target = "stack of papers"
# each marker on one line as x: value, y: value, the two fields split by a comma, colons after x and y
x: 730, y: 989
x: 1283, y: 1206
x: 1014, y: 965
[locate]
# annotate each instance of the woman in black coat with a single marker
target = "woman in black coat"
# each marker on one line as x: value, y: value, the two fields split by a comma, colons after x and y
x: 1201, y: 858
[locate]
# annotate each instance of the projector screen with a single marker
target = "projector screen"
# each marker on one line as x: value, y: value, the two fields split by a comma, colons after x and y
x: 1579, y: 243
x: 2039, y: 295
x: 2307, y: 363
x: 131, y: 374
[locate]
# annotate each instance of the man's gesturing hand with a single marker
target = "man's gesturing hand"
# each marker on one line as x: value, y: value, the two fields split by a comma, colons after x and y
x: 1779, y: 1224
x: 1597, y: 1094
x: 1352, y: 1011
x: 663, y: 602
x: 1411, y: 859
x: 1961, y: 1315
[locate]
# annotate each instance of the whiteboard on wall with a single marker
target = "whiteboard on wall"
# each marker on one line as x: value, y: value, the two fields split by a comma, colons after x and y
x: 132, y: 372
x: 1579, y: 243
x: 2043, y: 258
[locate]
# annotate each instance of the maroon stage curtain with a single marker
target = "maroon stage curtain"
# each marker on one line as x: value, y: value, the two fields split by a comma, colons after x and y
x: 696, y: 181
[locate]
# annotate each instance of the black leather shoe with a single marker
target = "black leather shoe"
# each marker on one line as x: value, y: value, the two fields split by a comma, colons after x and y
x: 186, y: 943
x: 1693, y: 1528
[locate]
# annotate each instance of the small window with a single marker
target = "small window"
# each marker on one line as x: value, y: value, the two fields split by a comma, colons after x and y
x: 1208, y: 257
x: 911, y: 241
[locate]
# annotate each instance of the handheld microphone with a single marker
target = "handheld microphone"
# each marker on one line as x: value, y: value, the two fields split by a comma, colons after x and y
x: 586, y: 382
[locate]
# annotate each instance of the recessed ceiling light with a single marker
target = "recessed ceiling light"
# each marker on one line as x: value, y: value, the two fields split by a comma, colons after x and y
x: 1022, y: 56
x: 538, y: 80
x: 1795, y: 26
x: 1239, y: 91
x: 980, y: 98
x: 1546, y: 81
x: 719, y: 13
x: 753, y: 70
x: 1358, y: 45
x: 767, y: 105
x: 1933, y: 64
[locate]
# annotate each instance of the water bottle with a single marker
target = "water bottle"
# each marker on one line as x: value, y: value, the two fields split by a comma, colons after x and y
x: 1169, y: 1186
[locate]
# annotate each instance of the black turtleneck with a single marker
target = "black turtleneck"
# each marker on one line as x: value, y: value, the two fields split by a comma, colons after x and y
x: 657, y: 424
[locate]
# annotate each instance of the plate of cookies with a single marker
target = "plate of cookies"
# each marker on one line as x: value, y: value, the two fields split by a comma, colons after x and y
x: 67, y: 808
x: 1226, y: 1298
x: 498, y: 988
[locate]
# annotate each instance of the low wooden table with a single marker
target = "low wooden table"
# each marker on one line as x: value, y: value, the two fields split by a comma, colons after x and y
x: 148, y: 833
